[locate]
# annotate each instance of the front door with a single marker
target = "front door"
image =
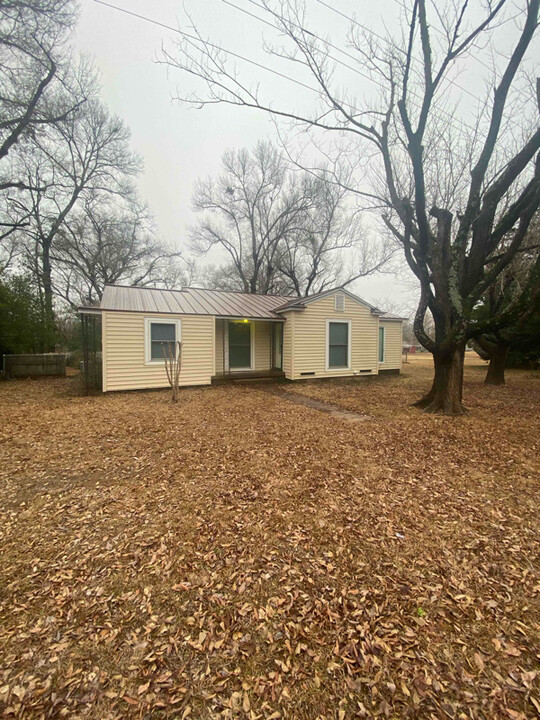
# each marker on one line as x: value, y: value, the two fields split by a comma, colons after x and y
x: 240, y: 345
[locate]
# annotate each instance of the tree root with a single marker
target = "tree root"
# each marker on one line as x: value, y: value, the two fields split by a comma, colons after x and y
x: 432, y: 403
x: 424, y: 402
x: 438, y: 408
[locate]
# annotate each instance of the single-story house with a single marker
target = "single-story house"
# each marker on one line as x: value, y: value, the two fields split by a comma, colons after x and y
x: 238, y: 335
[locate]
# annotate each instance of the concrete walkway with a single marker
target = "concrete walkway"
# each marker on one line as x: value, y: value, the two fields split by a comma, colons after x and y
x: 309, y: 402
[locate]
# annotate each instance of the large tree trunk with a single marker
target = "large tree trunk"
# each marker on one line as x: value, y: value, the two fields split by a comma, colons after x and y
x: 446, y: 393
x: 497, y: 365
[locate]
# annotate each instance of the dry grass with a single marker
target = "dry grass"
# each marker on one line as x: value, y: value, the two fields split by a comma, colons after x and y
x: 241, y: 556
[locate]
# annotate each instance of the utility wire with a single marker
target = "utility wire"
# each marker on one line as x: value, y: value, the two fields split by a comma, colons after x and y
x: 433, y: 27
x: 194, y: 39
x: 380, y: 37
x: 344, y: 52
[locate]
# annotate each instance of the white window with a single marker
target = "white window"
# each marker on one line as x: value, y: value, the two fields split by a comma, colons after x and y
x: 338, y: 344
x: 160, y: 336
x: 382, y: 343
x: 339, y: 303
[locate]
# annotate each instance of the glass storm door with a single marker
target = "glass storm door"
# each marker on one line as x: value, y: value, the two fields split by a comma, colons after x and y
x: 239, y: 345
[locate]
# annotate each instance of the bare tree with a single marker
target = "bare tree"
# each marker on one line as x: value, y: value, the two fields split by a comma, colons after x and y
x: 284, y: 231
x: 85, y: 154
x: 105, y: 243
x: 331, y: 247
x: 34, y: 64
x: 32, y: 37
x: 248, y: 210
x: 448, y: 196
x: 173, y: 367
x: 9, y: 250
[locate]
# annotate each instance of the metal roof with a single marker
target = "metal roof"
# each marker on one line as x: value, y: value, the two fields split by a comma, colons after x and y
x: 199, y: 301
x: 191, y: 301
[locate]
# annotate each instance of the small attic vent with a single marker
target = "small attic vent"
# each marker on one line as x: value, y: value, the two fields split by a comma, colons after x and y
x: 339, y: 303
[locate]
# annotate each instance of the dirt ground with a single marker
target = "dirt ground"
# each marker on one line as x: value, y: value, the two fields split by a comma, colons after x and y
x: 243, y: 556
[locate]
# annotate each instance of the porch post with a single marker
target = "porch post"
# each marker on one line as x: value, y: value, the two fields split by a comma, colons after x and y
x: 272, y: 340
x: 215, y: 322
x: 226, y: 368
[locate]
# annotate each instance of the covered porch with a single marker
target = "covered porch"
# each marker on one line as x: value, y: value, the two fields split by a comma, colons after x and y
x: 248, y: 349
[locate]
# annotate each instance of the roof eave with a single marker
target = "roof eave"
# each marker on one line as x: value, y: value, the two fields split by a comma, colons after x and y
x: 287, y: 308
x: 302, y: 302
x: 89, y: 310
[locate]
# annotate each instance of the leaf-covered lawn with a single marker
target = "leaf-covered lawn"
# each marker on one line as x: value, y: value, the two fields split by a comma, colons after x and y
x: 242, y: 556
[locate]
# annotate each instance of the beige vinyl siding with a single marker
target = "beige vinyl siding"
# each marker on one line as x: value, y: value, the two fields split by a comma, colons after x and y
x: 220, y: 325
x: 393, y: 347
x: 262, y: 345
x: 310, y: 338
x: 124, y: 349
x: 288, y: 344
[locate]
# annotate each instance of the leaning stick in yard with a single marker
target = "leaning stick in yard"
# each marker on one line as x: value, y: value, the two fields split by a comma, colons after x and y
x: 173, y: 366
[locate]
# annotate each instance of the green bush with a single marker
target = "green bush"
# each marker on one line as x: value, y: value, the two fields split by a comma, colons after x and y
x: 21, y: 327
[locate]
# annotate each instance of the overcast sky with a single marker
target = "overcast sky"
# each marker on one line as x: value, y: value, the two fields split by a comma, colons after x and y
x: 179, y: 144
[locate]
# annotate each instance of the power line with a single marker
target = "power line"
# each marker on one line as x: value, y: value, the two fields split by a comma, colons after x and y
x: 380, y: 37
x: 194, y: 38
x: 433, y: 27
x: 344, y: 52
x: 326, y: 42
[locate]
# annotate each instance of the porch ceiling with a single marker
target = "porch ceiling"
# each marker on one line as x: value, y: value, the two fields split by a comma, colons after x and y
x: 251, y: 319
